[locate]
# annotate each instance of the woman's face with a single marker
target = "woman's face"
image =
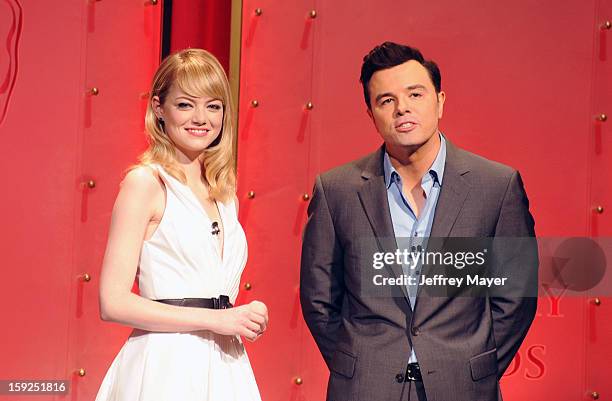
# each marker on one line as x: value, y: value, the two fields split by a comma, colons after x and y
x: 192, y: 123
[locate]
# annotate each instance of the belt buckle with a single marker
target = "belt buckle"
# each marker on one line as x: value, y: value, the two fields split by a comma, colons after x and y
x: 223, y: 302
x: 412, y: 372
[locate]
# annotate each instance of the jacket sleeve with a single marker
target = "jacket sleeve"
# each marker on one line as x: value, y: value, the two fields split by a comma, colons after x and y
x: 513, y: 307
x: 321, y: 274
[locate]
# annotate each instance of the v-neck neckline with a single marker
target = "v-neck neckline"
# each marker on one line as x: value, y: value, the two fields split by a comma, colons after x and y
x: 219, y: 248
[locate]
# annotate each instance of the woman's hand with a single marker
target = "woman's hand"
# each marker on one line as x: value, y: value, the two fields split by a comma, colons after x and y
x: 248, y: 321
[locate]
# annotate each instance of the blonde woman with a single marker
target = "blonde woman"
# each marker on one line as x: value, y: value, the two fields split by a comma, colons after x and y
x: 174, y: 226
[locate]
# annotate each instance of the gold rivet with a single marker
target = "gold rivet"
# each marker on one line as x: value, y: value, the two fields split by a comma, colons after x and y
x: 247, y: 286
x: 251, y: 194
x: 602, y: 117
x: 154, y: 2
x: 599, y: 209
x: 86, y: 277
x: 309, y: 106
x: 91, y: 184
x: 312, y: 14
x: 305, y: 197
x: 597, y: 301
x: 81, y: 372
x: 94, y: 91
x: 606, y: 25
x: 595, y: 395
x: 258, y: 12
x: 298, y: 380
x: 254, y: 103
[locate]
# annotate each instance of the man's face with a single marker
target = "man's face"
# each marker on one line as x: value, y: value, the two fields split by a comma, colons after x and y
x: 404, y: 105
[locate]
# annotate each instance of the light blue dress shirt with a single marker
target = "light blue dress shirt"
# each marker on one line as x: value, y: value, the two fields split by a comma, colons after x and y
x: 408, y: 229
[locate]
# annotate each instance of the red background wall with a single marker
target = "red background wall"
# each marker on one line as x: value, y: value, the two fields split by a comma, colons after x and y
x: 524, y: 82
x: 57, y: 137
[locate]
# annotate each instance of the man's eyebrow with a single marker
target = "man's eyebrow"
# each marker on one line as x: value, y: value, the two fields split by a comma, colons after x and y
x: 410, y: 87
x: 416, y: 86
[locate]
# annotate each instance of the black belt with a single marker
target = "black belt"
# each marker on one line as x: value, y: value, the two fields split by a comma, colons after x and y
x: 210, y: 303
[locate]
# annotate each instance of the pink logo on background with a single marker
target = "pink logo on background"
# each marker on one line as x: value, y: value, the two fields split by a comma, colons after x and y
x: 13, y: 20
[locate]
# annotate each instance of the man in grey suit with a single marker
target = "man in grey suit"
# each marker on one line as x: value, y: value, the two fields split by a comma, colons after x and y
x: 418, y: 184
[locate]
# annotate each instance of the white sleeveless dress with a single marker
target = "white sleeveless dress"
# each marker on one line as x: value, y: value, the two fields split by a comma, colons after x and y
x: 183, y: 260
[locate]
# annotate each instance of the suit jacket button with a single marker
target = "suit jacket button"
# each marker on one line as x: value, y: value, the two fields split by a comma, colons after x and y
x: 415, y: 331
x: 399, y: 378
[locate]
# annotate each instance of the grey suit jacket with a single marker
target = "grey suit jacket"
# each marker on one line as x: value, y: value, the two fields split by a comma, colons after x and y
x: 463, y: 344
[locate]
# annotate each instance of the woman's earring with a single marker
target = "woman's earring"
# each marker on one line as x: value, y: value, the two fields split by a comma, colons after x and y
x: 160, y: 121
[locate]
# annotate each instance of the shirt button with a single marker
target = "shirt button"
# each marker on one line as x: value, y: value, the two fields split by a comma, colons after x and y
x: 415, y: 331
x: 399, y: 378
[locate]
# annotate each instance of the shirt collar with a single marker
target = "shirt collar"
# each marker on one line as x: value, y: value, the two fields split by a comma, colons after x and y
x: 436, y: 170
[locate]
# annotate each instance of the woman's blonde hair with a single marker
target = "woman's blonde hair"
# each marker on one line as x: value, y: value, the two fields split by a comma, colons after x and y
x: 197, y: 73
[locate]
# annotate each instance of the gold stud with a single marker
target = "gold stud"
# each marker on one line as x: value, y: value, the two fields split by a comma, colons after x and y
x: 312, y: 14
x: 247, y: 286
x: 606, y: 25
x: 154, y: 2
x: 298, y: 380
x: 251, y: 194
x: 94, y: 91
x: 306, y: 197
x: 91, y: 184
x: 86, y: 277
x: 254, y: 103
x: 258, y: 12
x: 599, y: 209
x: 309, y: 106
x: 595, y: 395
x: 602, y: 117
x: 81, y: 372
x: 597, y: 301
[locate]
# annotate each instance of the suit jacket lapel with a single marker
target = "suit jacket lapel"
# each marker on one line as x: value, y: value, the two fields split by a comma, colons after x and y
x: 454, y: 191
x: 373, y: 196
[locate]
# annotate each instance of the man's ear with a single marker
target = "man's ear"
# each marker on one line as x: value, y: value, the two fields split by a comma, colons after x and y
x: 371, y: 115
x: 441, y: 100
x: 156, y: 105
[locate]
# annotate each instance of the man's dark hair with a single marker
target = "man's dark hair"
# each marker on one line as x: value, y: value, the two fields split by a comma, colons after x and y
x: 389, y: 55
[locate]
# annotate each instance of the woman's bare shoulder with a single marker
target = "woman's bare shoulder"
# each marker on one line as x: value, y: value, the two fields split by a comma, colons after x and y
x: 142, y: 185
x: 142, y: 178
